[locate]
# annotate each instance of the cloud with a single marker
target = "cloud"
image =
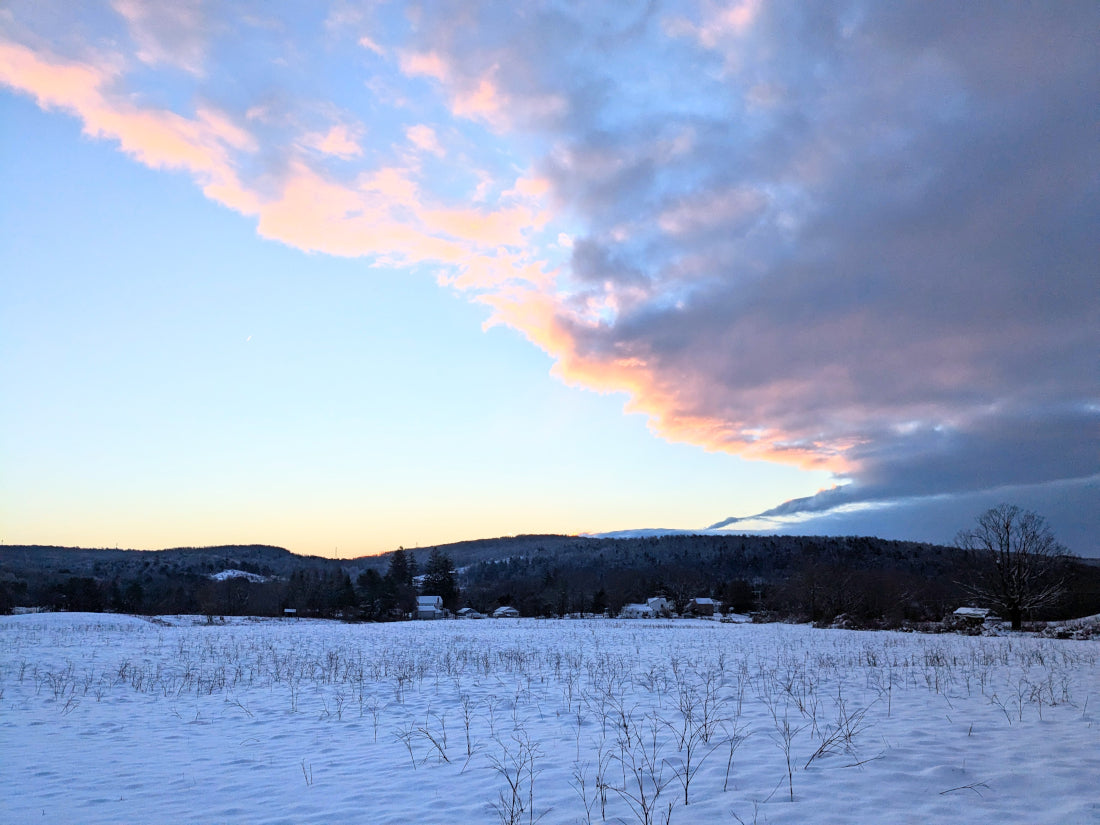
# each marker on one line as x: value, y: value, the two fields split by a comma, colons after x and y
x: 369, y: 44
x: 1069, y: 506
x: 171, y: 33
x: 268, y: 163
x: 201, y: 145
x: 858, y: 237
x: 425, y: 139
x: 842, y: 236
x: 339, y: 141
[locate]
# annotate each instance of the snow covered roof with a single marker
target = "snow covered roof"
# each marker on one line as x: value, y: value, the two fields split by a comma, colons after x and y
x: 975, y: 612
x: 429, y: 601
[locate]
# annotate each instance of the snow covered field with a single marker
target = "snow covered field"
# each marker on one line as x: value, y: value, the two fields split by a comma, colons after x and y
x: 107, y: 719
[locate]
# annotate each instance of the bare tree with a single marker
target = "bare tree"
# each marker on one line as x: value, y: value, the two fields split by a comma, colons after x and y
x: 1017, y: 561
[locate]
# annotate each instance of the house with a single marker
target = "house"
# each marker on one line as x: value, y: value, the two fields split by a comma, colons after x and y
x: 469, y: 613
x: 506, y: 612
x: 429, y: 607
x: 653, y: 608
x: 700, y: 607
x: 659, y: 606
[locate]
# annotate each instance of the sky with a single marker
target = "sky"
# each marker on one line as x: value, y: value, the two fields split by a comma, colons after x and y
x: 344, y: 276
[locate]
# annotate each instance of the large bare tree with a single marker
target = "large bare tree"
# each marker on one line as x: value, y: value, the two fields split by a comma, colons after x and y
x: 1017, y: 563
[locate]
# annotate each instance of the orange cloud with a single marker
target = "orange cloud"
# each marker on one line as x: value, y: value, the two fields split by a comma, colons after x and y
x: 538, y: 314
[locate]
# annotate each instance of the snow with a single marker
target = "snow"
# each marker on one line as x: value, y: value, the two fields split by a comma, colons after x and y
x: 237, y: 574
x: 972, y: 612
x: 108, y: 718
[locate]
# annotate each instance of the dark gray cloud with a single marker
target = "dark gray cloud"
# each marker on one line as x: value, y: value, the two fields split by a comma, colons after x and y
x: 1069, y: 506
x: 860, y: 232
x: 856, y: 234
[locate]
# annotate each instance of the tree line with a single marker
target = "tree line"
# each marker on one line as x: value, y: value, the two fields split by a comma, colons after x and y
x: 1009, y: 561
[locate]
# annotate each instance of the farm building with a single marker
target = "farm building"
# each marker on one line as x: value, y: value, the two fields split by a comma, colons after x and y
x: 506, y: 612
x: 653, y: 608
x: 970, y: 618
x: 659, y: 606
x: 429, y: 607
x: 701, y: 607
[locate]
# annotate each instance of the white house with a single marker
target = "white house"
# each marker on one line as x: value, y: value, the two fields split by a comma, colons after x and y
x: 506, y: 612
x: 659, y: 606
x: 429, y: 607
x: 636, y: 611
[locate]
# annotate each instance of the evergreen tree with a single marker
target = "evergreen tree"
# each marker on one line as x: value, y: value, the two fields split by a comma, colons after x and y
x: 401, y: 595
x: 372, y: 594
x: 399, y: 571
x: 439, y: 579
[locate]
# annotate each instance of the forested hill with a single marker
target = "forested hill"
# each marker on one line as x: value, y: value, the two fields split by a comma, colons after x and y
x: 816, y: 578
x: 83, y: 561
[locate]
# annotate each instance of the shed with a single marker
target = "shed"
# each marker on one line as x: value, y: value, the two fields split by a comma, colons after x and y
x: 506, y: 612
x: 970, y: 617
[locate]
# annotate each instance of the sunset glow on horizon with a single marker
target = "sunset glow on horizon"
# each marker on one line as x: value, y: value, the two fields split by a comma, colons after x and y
x: 351, y: 276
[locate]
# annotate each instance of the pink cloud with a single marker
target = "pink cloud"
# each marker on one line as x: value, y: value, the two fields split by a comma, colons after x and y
x: 719, y: 22
x: 159, y: 138
x: 423, y: 64
x: 482, y: 96
x: 53, y: 84
x: 425, y: 139
x: 381, y: 213
x: 370, y: 45
x: 340, y: 141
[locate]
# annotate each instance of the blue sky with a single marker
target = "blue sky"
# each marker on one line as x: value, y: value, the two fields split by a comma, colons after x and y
x: 343, y: 277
